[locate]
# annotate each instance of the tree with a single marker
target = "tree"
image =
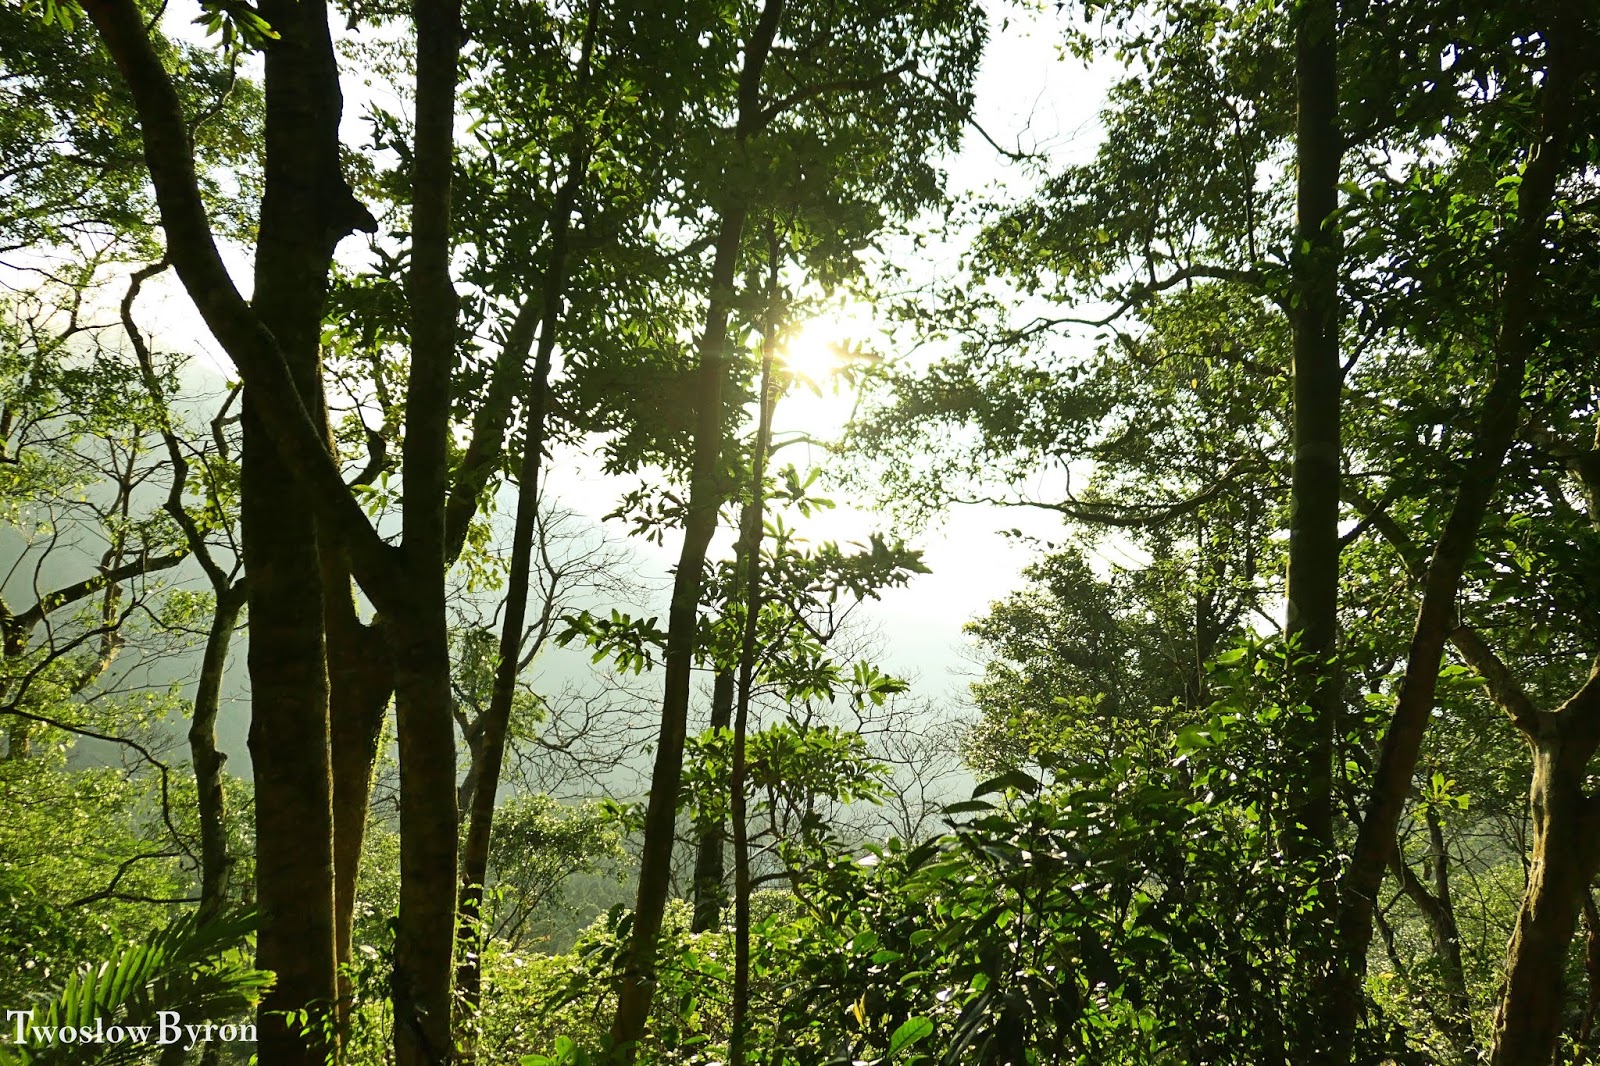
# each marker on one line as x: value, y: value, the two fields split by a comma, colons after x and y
x: 1080, y: 666
x: 776, y: 106
x: 1133, y: 227
x: 306, y: 209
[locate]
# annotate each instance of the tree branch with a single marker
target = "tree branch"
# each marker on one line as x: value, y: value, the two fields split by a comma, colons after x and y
x: 78, y: 590
x: 1493, y: 671
x: 1127, y: 515
x: 842, y: 85
x: 192, y: 249
x: 1497, y: 422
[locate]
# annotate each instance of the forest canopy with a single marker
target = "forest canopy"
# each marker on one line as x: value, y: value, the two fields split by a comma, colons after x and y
x: 453, y: 454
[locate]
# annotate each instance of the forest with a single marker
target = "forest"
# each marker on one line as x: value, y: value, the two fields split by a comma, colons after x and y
x: 799, y: 532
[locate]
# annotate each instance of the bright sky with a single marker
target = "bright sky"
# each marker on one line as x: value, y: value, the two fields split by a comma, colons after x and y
x: 1028, y: 95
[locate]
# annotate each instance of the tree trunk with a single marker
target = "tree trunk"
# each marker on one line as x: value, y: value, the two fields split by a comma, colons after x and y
x: 360, y: 682
x: 287, y: 656
x: 710, y: 895
x: 488, y: 759
x: 289, y: 474
x: 750, y: 530
x: 637, y: 986
x: 1527, y: 1022
x: 490, y: 753
x: 425, y: 930
x: 419, y: 638
x: 638, y: 977
x: 1313, y: 577
x: 207, y: 760
x: 289, y: 752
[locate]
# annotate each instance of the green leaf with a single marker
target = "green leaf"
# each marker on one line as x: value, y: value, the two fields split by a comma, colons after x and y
x: 1020, y: 780
x: 910, y: 1031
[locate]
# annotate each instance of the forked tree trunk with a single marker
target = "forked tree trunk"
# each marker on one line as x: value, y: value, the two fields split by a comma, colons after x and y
x: 287, y: 655
x: 289, y: 474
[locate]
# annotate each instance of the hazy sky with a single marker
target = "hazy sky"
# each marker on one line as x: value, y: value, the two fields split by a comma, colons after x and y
x: 1028, y: 95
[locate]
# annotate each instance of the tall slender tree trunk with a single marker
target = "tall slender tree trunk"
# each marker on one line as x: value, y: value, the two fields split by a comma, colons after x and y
x: 417, y: 629
x: 490, y: 755
x: 480, y: 824
x: 637, y: 986
x: 710, y: 895
x: 289, y: 751
x: 638, y: 978
x: 750, y: 529
x: 231, y: 594
x: 1313, y: 579
x: 205, y: 757
x: 1496, y: 429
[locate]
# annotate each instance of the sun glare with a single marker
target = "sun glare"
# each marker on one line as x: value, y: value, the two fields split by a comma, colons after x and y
x: 816, y: 349
x: 813, y: 352
x: 821, y: 400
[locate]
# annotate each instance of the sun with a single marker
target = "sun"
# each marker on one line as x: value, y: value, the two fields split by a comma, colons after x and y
x: 818, y: 348
x: 813, y: 352
x: 820, y: 360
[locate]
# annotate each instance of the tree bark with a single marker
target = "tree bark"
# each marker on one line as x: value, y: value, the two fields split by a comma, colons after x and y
x: 1566, y: 855
x: 419, y: 640
x: 306, y: 209
x: 287, y: 655
x: 360, y: 682
x: 1313, y: 576
x: 637, y: 986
